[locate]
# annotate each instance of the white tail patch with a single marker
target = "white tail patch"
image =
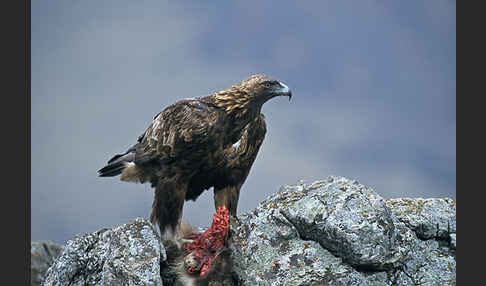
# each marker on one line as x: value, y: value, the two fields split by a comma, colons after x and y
x: 130, y: 173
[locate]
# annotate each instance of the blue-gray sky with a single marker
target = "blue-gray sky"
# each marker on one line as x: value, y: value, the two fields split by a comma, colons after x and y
x: 374, y: 85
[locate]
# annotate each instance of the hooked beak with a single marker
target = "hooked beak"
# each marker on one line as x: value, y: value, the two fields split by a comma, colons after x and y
x: 285, y: 91
x: 289, y: 94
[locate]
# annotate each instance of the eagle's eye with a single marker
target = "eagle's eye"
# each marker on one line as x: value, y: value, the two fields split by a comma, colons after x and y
x: 270, y: 83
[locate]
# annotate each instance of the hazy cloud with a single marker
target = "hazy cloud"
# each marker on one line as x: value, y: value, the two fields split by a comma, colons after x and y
x: 373, y: 84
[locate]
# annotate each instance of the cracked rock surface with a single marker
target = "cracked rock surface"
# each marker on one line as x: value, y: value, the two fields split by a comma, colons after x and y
x: 339, y: 232
x: 126, y: 255
x: 329, y: 232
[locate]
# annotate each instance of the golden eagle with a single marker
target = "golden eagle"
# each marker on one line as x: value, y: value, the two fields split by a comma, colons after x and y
x: 196, y: 144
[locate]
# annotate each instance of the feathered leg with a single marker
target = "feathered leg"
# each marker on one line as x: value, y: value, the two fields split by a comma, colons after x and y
x: 228, y: 197
x: 167, y: 207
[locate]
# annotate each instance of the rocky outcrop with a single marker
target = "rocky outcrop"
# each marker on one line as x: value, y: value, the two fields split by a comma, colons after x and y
x: 339, y: 232
x: 126, y: 255
x: 330, y: 232
x: 42, y: 255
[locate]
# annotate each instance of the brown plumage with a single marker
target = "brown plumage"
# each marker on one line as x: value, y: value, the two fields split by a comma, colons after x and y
x: 196, y: 144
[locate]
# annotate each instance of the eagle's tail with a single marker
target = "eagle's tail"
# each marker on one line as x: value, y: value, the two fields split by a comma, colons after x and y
x: 114, y: 169
x: 117, y: 164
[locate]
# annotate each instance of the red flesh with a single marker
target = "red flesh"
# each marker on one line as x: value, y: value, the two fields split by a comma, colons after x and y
x: 207, y: 244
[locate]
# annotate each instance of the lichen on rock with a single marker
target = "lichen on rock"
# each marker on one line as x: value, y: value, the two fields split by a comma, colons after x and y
x: 329, y: 232
x: 126, y: 255
x: 339, y: 232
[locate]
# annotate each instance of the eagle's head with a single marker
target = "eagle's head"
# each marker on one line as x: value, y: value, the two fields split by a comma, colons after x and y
x: 251, y: 93
x: 260, y: 87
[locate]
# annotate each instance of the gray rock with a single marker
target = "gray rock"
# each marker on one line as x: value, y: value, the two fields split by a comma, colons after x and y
x: 429, y: 218
x: 126, y: 255
x: 43, y: 255
x: 453, y: 241
x: 434, y: 223
x: 330, y: 232
x: 339, y: 232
